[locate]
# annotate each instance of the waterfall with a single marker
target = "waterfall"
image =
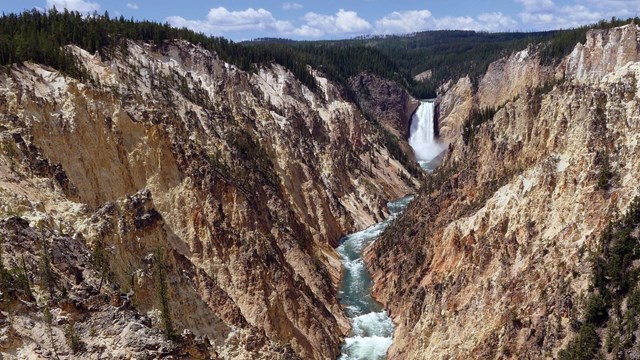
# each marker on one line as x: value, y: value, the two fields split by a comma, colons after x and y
x: 422, y: 135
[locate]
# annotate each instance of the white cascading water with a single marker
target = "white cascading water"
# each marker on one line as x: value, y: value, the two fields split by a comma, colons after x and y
x: 422, y: 135
x: 371, y: 328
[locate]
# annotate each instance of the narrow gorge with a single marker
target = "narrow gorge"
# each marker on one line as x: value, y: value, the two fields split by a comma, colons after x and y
x: 371, y: 328
x: 438, y: 195
x: 500, y: 254
x: 234, y: 185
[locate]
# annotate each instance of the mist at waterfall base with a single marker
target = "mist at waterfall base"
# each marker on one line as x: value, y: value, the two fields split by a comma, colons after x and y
x: 422, y: 135
x: 372, y: 329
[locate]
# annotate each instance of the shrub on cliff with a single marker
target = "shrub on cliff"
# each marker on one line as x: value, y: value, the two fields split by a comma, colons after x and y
x: 475, y: 119
x: 614, y: 279
x: 586, y: 346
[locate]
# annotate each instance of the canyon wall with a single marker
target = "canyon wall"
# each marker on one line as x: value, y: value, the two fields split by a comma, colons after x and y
x: 170, y: 191
x: 492, y: 260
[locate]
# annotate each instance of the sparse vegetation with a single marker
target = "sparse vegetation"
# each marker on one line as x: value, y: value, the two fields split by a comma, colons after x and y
x: 585, y: 346
x: 436, y: 180
x: 48, y: 320
x: 563, y: 42
x: 474, y: 121
x: 73, y: 338
x: 161, y: 286
x: 614, y: 279
x: 391, y: 142
x: 46, y: 272
x: 99, y: 262
x: 605, y: 174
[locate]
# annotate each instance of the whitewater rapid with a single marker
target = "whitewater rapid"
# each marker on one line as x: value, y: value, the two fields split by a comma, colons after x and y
x: 372, y: 329
x: 422, y: 134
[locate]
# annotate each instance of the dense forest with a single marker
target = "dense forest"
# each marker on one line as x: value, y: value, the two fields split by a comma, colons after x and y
x: 453, y: 54
x: 40, y: 37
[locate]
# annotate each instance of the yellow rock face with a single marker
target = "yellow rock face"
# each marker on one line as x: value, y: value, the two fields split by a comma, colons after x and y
x: 495, y: 263
x: 243, y: 181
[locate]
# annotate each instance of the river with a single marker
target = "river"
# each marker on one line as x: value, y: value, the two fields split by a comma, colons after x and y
x: 372, y: 329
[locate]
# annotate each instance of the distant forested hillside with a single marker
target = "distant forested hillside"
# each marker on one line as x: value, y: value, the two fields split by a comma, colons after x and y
x: 40, y: 37
x: 453, y: 54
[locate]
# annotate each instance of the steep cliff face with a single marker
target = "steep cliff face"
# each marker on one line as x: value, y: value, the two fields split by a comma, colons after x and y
x: 386, y: 101
x: 508, y: 77
x: 214, y: 197
x: 494, y: 263
x: 455, y: 103
x: 392, y: 107
x: 603, y: 52
x: 504, y: 81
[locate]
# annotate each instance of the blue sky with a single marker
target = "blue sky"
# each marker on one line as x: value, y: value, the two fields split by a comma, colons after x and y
x: 331, y: 19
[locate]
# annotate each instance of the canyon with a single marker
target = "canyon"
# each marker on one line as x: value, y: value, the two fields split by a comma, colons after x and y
x: 492, y: 260
x: 169, y: 204
x: 214, y: 197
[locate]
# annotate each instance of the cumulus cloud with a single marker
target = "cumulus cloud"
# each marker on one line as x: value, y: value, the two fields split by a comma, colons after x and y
x: 74, y: 5
x: 533, y: 15
x: 546, y: 14
x: 292, y: 6
x: 496, y: 21
x: 133, y: 6
x: 308, y: 32
x: 420, y: 20
x: 537, y: 6
x: 342, y: 23
x: 618, y: 8
x: 405, y: 22
x: 220, y: 20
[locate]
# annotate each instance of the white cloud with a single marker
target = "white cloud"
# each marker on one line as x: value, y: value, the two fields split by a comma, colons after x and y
x: 420, y: 20
x: 545, y: 14
x: 618, y: 8
x: 74, y: 5
x: 133, y: 6
x: 308, y: 32
x: 342, y: 23
x: 496, y: 21
x: 537, y: 6
x: 533, y: 15
x: 457, y: 23
x: 405, y: 22
x: 220, y: 20
x: 292, y: 6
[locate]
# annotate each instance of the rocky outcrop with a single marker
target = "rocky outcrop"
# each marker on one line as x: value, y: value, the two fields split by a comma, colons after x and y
x: 386, y: 101
x: 215, y: 196
x: 492, y: 259
x: 509, y: 77
x: 57, y: 304
x: 423, y: 76
x: 455, y: 104
x: 602, y: 53
x: 505, y: 80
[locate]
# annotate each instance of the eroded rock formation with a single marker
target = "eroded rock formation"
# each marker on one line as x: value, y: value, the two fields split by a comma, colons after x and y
x: 213, y: 197
x: 494, y: 262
